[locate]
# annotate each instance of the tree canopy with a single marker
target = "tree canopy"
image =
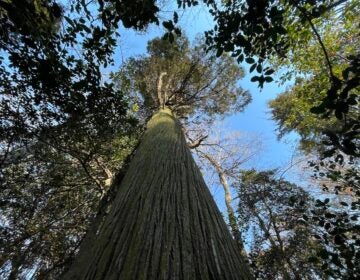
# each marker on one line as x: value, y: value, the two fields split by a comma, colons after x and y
x: 273, y: 208
x: 186, y: 79
x: 293, y: 109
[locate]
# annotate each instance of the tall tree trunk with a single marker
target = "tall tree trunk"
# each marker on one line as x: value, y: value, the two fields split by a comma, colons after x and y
x: 164, y: 224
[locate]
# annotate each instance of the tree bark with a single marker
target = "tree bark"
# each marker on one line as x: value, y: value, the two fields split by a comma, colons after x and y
x: 164, y: 223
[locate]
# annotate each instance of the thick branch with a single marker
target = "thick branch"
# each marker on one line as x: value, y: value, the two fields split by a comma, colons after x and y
x: 196, y: 143
x: 159, y: 90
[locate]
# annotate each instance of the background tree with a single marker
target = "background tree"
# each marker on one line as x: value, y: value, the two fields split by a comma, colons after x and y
x: 223, y: 155
x: 292, y: 109
x: 264, y: 29
x: 50, y: 191
x: 334, y: 171
x: 337, y: 217
x: 272, y: 210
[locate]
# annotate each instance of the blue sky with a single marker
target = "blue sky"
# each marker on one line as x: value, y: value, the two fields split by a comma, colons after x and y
x: 255, y: 119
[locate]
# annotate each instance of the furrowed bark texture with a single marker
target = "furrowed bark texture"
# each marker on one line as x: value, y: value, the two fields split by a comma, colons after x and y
x: 164, y: 223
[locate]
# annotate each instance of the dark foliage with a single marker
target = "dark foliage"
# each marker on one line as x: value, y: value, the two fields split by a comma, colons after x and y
x: 271, y: 211
x: 254, y: 31
x: 337, y: 219
x: 60, y: 125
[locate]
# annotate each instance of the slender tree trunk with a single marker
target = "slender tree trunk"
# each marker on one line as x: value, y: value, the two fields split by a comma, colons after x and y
x: 164, y: 224
x: 284, y: 272
x: 281, y: 244
x: 228, y: 200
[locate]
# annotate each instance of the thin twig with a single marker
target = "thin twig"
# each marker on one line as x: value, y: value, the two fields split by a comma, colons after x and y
x: 318, y: 37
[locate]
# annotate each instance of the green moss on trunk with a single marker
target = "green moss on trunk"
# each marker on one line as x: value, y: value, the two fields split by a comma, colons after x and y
x: 164, y: 223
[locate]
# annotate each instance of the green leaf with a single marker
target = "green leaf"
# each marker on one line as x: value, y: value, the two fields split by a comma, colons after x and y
x: 168, y: 25
x: 166, y: 36
x: 249, y: 60
x: 177, y: 31
x: 338, y: 240
x: 318, y: 109
x: 255, y: 78
x: 87, y: 29
x: 69, y: 20
x: 269, y: 72
x: 219, y: 52
x: 171, y: 37
x: 176, y: 17
x: 339, y: 114
x: 252, y: 68
x: 259, y: 68
x: 268, y: 79
x: 240, y: 58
